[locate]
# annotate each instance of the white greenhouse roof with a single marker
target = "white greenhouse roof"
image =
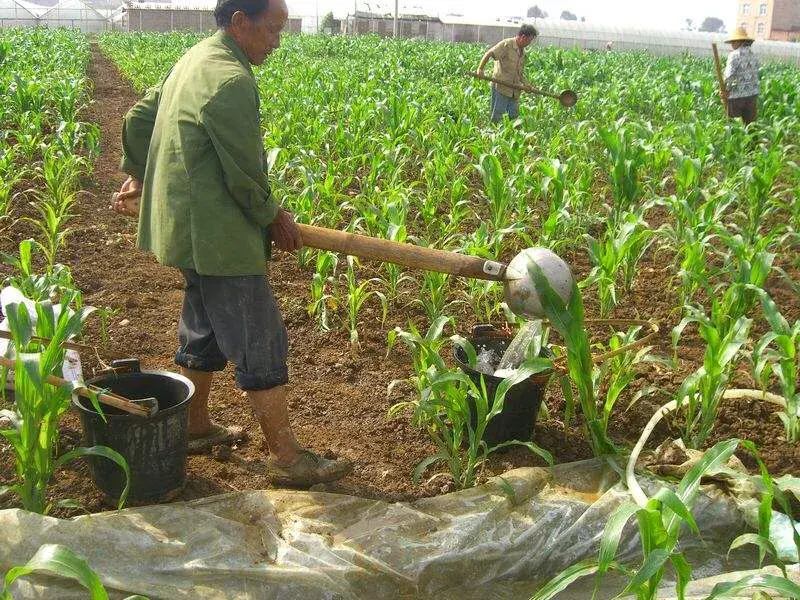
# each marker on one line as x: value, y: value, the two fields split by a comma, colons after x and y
x: 70, y: 7
x: 36, y: 10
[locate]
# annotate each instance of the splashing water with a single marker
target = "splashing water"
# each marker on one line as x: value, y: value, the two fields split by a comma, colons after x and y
x: 526, y: 344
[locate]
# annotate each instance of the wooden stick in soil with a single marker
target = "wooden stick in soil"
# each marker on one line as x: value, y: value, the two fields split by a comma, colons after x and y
x: 109, y: 399
x: 723, y: 93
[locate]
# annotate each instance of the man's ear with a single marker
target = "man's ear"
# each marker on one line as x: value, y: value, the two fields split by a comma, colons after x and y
x: 238, y: 19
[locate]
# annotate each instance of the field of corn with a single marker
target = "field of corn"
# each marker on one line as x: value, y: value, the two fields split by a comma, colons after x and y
x: 667, y: 212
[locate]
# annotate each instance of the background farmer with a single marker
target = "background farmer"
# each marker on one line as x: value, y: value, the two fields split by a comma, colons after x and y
x: 194, y: 153
x: 741, y: 78
x: 509, y: 65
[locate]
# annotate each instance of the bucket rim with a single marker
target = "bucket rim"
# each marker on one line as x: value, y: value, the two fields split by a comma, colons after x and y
x: 480, y: 333
x: 76, y: 400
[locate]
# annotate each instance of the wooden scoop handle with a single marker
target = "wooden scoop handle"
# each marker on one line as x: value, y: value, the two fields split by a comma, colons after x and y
x: 408, y: 255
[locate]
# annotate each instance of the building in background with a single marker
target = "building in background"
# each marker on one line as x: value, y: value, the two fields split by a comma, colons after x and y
x: 185, y: 15
x: 777, y: 20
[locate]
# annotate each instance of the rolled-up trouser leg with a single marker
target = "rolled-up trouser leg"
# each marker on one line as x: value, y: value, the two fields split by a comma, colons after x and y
x: 236, y: 319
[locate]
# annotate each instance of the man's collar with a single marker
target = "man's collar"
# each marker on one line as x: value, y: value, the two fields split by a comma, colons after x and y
x: 228, y: 41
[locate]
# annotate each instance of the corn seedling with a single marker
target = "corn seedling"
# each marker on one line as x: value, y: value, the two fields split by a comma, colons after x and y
x: 627, y: 157
x: 779, y: 349
x: 433, y: 295
x: 701, y: 392
x: 616, y: 257
x: 38, y: 405
x: 356, y: 295
x: 613, y: 376
x: 660, y: 520
x: 497, y: 189
x: 568, y: 320
x: 322, y: 278
x: 47, y: 286
x: 446, y: 410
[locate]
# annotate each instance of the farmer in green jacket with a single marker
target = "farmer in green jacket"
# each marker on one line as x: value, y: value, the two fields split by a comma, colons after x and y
x: 194, y: 152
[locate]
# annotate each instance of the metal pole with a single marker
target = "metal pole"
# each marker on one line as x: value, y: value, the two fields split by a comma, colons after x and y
x: 396, y: 28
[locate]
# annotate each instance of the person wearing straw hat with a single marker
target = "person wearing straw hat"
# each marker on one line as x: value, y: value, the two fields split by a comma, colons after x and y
x: 194, y: 153
x: 741, y: 78
x: 509, y: 64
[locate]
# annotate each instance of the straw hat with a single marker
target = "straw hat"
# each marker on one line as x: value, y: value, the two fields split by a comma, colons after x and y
x: 740, y: 36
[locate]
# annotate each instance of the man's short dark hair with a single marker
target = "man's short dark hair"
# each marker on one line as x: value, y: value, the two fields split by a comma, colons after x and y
x: 225, y: 9
x: 528, y: 31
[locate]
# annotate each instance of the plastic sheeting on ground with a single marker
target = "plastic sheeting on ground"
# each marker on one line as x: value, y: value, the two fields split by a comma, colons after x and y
x: 487, y: 542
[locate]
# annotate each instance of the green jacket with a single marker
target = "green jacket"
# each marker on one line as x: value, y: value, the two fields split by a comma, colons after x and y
x: 195, y: 143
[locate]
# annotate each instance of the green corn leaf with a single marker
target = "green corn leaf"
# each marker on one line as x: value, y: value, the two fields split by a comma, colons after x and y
x: 651, y: 566
x: 670, y: 499
x: 683, y: 573
x: 564, y: 579
x: 423, y: 465
x: 59, y: 560
x: 713, y: 458
x: 612, y: 533
x: 538, y: 450
x: 769, y: 583
x: 104, y: 452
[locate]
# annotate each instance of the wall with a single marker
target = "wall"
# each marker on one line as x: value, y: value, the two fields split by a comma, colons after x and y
x: 169, y: 20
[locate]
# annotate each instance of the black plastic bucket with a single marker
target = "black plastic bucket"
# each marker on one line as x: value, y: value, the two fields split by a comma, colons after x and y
x: 155, y: 446
x: 521, y: 406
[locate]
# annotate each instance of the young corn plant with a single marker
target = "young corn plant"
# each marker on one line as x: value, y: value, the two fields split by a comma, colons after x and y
x: 701, y: 392
x: 433, y: 297
x: 613, y: 376
x: 661, y: 520
x: 748, y: 263
x: 616, y: 257
x: 323, y: 278
x: 426, y: 359
x: 454, y: 411
x: 568, y: 320
x: 627, y: 157
x: 47, y: 286
x: 38, y: 404
x: 356, y: 295
x: 497, y: 189
x: 779, y: 349
x: 559, y: 227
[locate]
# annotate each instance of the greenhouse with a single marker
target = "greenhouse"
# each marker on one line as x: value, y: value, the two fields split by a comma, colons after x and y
x: 18, y: 13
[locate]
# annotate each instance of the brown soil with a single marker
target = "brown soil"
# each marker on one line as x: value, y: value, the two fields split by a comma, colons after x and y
x: 338, y: 398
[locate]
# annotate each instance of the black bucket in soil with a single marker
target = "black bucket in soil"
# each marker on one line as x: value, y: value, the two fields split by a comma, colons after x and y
x: 154, y: 446
x: 521, y: 405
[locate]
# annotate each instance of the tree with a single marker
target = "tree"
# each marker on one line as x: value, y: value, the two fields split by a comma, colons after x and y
x: 712, y: 24
x: 327, y: 24
x: 689, y: 23
x: 568, y: 16
x: 536, y: 12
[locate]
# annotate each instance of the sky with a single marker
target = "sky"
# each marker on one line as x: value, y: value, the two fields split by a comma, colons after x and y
x: 658, y: 14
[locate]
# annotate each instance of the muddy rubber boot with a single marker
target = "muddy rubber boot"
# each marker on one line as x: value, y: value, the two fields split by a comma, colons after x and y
x: 310, y: 469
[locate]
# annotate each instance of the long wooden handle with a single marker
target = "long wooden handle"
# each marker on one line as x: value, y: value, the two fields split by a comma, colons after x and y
x: 723, y: 92
x: 513, y: 86
x: 110, y: 399
x: 408, y: 255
